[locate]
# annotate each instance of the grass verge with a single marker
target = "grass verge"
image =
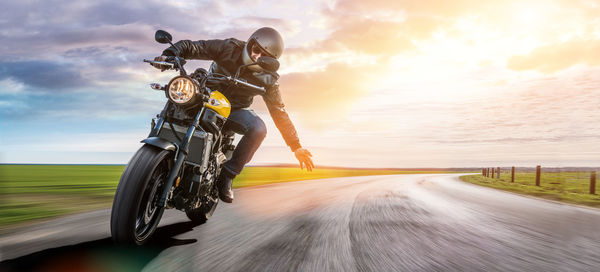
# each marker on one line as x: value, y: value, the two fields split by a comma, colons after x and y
x: 569, y: 187
x: 34, y: 192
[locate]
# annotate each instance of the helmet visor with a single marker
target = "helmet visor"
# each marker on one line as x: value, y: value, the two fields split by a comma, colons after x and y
x: 257, y: 51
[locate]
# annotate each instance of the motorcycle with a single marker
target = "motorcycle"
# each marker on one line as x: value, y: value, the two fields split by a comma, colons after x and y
x: 181, y: 158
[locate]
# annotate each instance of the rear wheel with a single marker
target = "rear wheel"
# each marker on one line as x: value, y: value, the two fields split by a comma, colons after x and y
x: 135, y: 215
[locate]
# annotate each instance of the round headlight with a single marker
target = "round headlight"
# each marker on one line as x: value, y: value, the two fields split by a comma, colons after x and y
x: 181, y: 90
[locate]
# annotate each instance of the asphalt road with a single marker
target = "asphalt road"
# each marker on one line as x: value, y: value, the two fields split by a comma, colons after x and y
x: 378, y: 223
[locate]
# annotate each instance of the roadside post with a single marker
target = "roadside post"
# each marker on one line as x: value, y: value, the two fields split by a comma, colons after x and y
x: 498, y: 171
x: 492, y: 172
x: 538, y: 172
x: 593, y: 183
x: 512, y: 175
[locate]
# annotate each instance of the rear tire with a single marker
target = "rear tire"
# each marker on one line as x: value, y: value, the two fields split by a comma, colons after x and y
x: 134, y: 215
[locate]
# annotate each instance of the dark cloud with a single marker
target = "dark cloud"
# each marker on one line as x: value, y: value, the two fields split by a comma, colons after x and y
x: 61, y: 14
x: 45, y: 44
x: 40, y: 29
x: 57, y: 48
x: 43, y: 74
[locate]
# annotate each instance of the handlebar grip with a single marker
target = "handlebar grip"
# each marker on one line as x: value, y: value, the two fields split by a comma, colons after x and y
x: 168, y: 64
x: 258, y: 89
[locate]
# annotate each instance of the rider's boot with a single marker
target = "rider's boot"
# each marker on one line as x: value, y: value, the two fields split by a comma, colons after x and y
x: 224, y: 186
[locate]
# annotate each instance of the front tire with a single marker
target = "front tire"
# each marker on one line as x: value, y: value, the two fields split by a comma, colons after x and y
x: 134, y: 215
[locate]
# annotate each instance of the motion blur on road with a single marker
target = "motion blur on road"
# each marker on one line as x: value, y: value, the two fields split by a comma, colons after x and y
x: 377, y: 223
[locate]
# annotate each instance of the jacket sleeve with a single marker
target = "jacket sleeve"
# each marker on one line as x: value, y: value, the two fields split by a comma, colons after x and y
x: 202, y: 49
x: 281, y: 118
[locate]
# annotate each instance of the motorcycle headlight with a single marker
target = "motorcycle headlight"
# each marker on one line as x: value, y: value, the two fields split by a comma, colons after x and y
x: 181, y: 90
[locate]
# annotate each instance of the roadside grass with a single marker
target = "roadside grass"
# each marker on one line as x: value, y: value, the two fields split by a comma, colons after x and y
x: 569, y: 187
x: 34, y: 192
x: 252, y: 176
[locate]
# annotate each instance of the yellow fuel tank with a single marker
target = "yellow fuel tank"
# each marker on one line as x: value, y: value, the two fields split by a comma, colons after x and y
x: 219, y: 103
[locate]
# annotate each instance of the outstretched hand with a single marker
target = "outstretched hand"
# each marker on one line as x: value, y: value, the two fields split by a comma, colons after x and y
x: 158, y: 66
x: 303, y: 156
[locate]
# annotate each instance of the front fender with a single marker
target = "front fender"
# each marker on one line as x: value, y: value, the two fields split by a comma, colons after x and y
x: 160, y: 143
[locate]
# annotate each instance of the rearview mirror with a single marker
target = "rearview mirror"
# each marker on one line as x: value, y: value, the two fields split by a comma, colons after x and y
x: 268, y: 63
x: 162, y: 36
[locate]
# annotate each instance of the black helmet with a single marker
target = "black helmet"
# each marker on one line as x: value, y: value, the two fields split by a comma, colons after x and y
x: 268, y: 39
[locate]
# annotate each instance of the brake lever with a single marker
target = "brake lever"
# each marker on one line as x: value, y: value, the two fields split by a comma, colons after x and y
x: 164, y: 63
x: 173, y: 59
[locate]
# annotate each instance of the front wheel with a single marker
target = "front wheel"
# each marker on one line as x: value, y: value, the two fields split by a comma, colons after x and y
x: 135, y: 215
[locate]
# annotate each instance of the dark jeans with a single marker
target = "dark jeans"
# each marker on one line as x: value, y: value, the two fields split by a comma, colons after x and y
x: 247, y: 123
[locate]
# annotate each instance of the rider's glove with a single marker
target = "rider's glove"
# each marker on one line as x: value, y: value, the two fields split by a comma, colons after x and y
x: 158, y: 66
x: 268, y: 79
x: 303, y: 156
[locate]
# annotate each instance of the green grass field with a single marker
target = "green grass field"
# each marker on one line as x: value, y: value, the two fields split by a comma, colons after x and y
x: 570, y: 187
x: 30, y: 192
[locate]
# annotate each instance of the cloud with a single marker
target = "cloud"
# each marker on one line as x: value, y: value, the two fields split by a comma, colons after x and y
x: 559, y: 110
x: 42, y: 74
x: 438, y: 7
x: 80, y: 105
x: 556, y: 57
x: 254, y: 22
x: 386, y: 27
x: 65, y: 58
x: 46, y: 28
x: 46, y: 43
x: 456, y: 8
x: 338, y: 83
x: 60, y: 14
x: 395, y: 26
x: 523, y: 140
x: 371, y: 37
x: 324, y: 97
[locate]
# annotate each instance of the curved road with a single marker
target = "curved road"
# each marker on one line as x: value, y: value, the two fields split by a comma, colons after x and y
x: 377, y: 223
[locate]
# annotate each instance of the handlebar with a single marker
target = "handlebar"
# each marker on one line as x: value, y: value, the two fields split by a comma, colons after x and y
x: 164, y: 63
x: 259, y: 89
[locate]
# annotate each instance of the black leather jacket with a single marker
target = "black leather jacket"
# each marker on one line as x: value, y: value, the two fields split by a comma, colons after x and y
x: 227, y: 57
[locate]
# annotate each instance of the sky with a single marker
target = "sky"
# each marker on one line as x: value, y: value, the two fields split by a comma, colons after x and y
x: 380, y: 83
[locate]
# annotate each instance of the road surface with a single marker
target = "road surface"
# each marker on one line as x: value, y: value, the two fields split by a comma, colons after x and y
x: 376, y: 223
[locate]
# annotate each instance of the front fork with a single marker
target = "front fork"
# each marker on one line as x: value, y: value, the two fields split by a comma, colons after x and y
x: 156, y: 127
x: 181, y: 156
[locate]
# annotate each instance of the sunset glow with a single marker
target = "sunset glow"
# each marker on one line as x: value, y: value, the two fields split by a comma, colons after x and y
x: 367, y: 83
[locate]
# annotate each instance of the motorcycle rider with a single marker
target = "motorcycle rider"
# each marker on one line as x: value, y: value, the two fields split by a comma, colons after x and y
x: 227, y: 55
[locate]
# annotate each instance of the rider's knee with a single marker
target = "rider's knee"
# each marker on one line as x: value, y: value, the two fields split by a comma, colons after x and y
x: 259, y: 129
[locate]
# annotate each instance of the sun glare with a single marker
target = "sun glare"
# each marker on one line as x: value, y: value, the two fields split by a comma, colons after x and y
x: 528, y: 15
x: 532, y: 15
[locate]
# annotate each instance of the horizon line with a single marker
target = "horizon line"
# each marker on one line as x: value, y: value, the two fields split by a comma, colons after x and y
x: 596, y: 168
